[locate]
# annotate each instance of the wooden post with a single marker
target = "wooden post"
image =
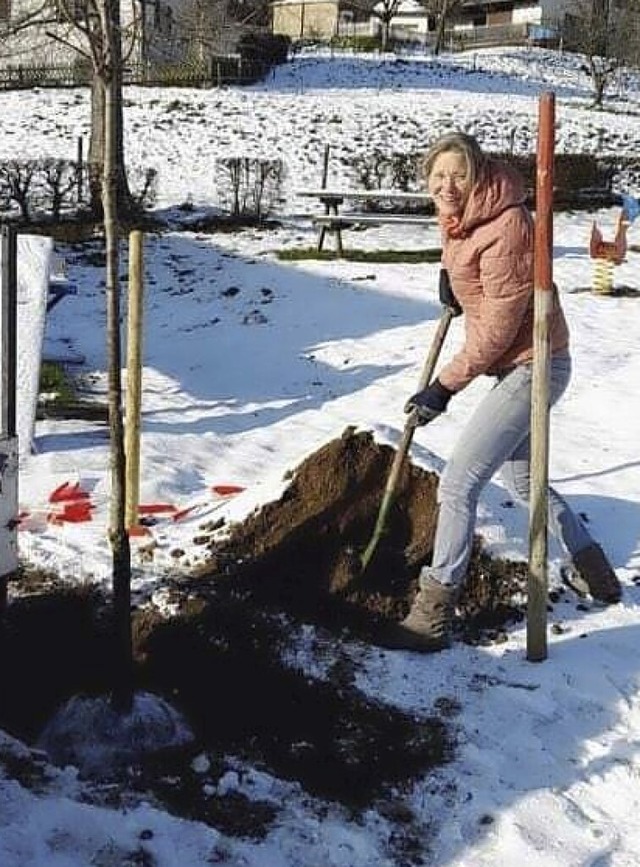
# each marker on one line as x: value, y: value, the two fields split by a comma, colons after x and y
x: 9, y: 332
x: 323, y: 185
x: 79, y: 170
x: 8, y: 398
x: 543, y: 301
x: 325, y: 166
x: 134, y: 378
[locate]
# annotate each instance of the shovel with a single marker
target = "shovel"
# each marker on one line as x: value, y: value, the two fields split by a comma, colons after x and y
x: 407, y: 437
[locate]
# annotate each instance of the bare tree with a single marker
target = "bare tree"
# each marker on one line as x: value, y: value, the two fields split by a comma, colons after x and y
x: 87, y: 18
x: 385, y: 11
x: 608, y: 35
x: 254, y: 12
x: 75, y: 25
x: 444, y: 11
x: 12, y: 24
x: 202, y: 23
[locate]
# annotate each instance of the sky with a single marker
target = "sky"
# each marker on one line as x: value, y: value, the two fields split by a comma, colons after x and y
x: 252, y: 363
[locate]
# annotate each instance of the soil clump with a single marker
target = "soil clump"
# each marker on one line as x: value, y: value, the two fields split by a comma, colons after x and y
x: 302, y: 552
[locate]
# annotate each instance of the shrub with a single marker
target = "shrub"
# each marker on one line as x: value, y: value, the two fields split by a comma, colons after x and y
x: 378, y: 170
x: 250, y: 186
x: 269, y: 47
x: 580, y: 180
x: 54, y: 188
x: 365, y: 44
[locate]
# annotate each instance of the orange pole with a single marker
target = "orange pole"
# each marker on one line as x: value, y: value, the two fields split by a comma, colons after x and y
x: 543, y: 303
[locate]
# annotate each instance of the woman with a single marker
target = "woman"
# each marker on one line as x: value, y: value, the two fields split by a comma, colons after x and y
x: 488, y: 257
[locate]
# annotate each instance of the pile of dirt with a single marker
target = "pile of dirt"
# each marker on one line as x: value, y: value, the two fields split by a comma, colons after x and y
x: 221, y: 658
x: 302, y: 552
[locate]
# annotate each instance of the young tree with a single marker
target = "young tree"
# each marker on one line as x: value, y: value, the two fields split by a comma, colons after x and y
x: 97, y: 23
x: 137, y: 724
x: 100, y: 25
x: 106, y: 52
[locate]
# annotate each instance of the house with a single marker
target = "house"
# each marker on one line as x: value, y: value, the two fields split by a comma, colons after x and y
x: 411, y: 22
x: 477, y: 21
x: 493, y: 22
x: 319, y: 19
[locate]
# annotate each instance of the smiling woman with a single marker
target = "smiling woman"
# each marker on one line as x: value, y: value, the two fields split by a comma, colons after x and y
x: 450, y: 170
x: 487, y: 258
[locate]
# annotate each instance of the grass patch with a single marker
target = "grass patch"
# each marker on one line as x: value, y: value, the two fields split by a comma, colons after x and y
x: 381, y: 256
x: 55, y: 383
x: 59, y: 398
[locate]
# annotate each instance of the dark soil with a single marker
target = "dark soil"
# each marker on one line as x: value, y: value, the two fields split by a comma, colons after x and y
x: 302, y: 553
x: 220, y: 658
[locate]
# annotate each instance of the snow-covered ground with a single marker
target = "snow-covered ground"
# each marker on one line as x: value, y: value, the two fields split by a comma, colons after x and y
x: 251, y: 363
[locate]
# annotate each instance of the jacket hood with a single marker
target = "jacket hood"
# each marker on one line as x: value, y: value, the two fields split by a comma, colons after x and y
x: 500, y: 187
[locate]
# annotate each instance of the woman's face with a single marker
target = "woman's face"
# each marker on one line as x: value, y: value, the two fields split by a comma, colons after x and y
x: 449, y: 183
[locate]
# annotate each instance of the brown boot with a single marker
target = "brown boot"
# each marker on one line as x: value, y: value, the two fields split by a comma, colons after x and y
x: 427, y: 626
x: 592, y: 574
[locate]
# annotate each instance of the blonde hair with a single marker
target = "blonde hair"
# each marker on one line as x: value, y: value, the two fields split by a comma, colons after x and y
x: 460, y: 143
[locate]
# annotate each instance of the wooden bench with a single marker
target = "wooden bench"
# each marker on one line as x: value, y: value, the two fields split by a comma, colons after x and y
x: 333, y: 221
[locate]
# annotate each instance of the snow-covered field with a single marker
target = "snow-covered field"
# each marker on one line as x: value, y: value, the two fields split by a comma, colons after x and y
x: 252, y: 363
x: 355, y: 105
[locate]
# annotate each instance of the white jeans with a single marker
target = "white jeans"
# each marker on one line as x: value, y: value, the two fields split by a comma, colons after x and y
x: 496, y: 437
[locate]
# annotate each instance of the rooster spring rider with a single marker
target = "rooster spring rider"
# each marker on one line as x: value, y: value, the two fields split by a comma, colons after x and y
x: 608, y: 254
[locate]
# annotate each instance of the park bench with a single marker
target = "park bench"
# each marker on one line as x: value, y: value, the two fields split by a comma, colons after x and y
x: 333, y: 220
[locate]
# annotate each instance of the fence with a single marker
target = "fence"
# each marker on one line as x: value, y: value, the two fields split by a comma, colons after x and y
x: 484, y: 36
x: 216, y: 72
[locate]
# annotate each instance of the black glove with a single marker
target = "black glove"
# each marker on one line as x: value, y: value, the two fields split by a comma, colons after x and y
x: 429, y: 403
x: 447, y: 298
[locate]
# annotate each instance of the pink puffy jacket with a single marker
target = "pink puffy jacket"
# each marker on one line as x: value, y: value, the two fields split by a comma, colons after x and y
x: 489, y: 258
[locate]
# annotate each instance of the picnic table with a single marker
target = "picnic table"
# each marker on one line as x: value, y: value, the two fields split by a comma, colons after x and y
x: 334, y: 220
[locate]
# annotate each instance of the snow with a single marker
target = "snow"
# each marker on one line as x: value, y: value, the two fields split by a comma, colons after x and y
x: 240, y: 386
x: 90, y: 734
x: 34, y: 255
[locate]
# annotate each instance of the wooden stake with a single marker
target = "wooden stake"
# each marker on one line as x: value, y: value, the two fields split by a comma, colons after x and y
x: 80, y: 169
x: 543, y: 302
x: 134, y: 378
x: 323, y: 184
x: 325, y: 166
x: 8, y: 400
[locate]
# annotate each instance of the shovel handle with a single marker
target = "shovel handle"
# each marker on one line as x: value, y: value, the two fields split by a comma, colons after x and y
x: 436, y: 347
x: 407, y: 436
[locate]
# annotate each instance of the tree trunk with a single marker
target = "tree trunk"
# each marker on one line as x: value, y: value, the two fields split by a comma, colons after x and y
x: 123, y: 679
x: 97, y: 149
x: 442, y: 23
x: 599, y: 80
x: 385, y: 35
x: 95, y: 160
x: 600, y: 21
